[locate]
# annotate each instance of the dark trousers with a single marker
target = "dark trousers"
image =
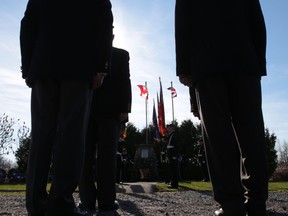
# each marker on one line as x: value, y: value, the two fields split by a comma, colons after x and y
x: 59, y: 111
x: 173, y: 166
x: 119, y: 168
x: 102, y: 141
x: 233, y: 128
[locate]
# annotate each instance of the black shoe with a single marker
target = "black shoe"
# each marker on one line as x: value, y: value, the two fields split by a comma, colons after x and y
x: 83, y: 208
x: 116, y: 205
x: 256, y: 209
x: 79, y: 212
x: 220, y: 212
x: 108, y: 213
x: 173, y: 187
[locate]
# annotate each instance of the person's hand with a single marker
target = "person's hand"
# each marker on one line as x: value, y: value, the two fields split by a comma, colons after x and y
x: 186, y: 80
x: 98, y: 80
x: 123, y: 117
x: 196, y: 114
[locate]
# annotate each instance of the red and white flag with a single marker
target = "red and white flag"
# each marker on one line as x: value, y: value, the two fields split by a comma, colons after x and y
x: 173, y: 92
x: 144, y: 91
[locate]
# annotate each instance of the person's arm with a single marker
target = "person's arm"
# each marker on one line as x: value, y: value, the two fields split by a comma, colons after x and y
x: 104, y: 41
x: 97, y: 80
x: 182, y: 36
x: 258, y: 30
x: 125, y: 90
x: 28, y: 37
x: 193, y: 102
x: 182, y: 40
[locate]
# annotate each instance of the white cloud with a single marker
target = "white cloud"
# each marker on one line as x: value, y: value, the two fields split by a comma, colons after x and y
x: 15, y: 95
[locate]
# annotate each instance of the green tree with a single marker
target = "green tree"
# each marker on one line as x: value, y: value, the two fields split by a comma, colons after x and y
x: 271, y: 154
x: 189, y: 135
x: 133, y: 138
x: 22, y: 152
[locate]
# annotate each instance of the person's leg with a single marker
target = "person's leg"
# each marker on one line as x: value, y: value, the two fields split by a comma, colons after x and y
x: 119, y: 170
x: 87, y: 187
x: 68, y: 152
x: 108, y: 135
x: 44, y: 109
x: 223, y: 155
x: 175, y: 172
x: 249, y: 126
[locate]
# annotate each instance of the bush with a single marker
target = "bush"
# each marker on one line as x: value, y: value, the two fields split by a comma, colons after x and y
x: 281, y: 173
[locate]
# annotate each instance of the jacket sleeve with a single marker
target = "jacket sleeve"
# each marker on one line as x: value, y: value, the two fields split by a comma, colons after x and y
x: 104, y: 36
x: 182, y: 36
x: 126, y: 92
x: 193, y: 101
x: 28, y: 37
x: 258, y: 30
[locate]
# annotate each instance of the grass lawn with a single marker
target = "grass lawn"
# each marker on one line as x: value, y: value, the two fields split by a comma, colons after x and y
x: 206, y: 186
x: 162, y: 187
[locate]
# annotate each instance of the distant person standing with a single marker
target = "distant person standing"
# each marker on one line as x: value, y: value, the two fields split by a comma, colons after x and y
x: 173, y: 157
x: 120, y: 155
x: 111, y: 105
x: 221, y: 52
x: 201, y: 156
x: 65, y: 49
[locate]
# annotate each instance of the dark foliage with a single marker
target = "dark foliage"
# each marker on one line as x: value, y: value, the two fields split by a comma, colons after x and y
x: 21, y: 153
x: 271, y: 154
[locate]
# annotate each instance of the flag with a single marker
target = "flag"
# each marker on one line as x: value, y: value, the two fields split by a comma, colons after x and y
x: 144, y: 91
x: 173, y: 92
x: 161, y: 112
x: 124, y: 133
x: 155, y: 122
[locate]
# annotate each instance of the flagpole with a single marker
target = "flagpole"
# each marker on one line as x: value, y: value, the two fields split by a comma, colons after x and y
x: 146, y: 101
x: 172, y: 103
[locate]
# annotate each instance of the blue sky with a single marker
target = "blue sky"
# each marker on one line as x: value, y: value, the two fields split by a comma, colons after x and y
x: 146, y: 30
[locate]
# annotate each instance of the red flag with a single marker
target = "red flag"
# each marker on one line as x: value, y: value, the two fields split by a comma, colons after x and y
x: 155, y: 122
x: 173, y: 92
x: 144, y: 91
x: 161, y: 112
x: 124, y: 133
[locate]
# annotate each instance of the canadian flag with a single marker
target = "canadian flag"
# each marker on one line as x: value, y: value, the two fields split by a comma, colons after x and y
x: 144, y: 91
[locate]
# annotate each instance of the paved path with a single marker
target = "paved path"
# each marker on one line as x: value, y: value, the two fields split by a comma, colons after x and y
x: 136, y: 187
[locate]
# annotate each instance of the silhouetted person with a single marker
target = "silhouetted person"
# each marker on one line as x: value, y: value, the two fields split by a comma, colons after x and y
x: 122, y: 159
x: 65, y: 49
x: 110, y: 107
x: 173, y: 156
x: 126, y: 164
x: 221, y: 51
x: 201, y: 156
x: 119, y: 162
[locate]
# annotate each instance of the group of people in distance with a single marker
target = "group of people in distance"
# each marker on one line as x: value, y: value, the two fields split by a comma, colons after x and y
x: 81, y: 94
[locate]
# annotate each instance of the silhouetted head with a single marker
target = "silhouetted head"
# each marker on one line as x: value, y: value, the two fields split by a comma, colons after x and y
x: 170, y: 128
